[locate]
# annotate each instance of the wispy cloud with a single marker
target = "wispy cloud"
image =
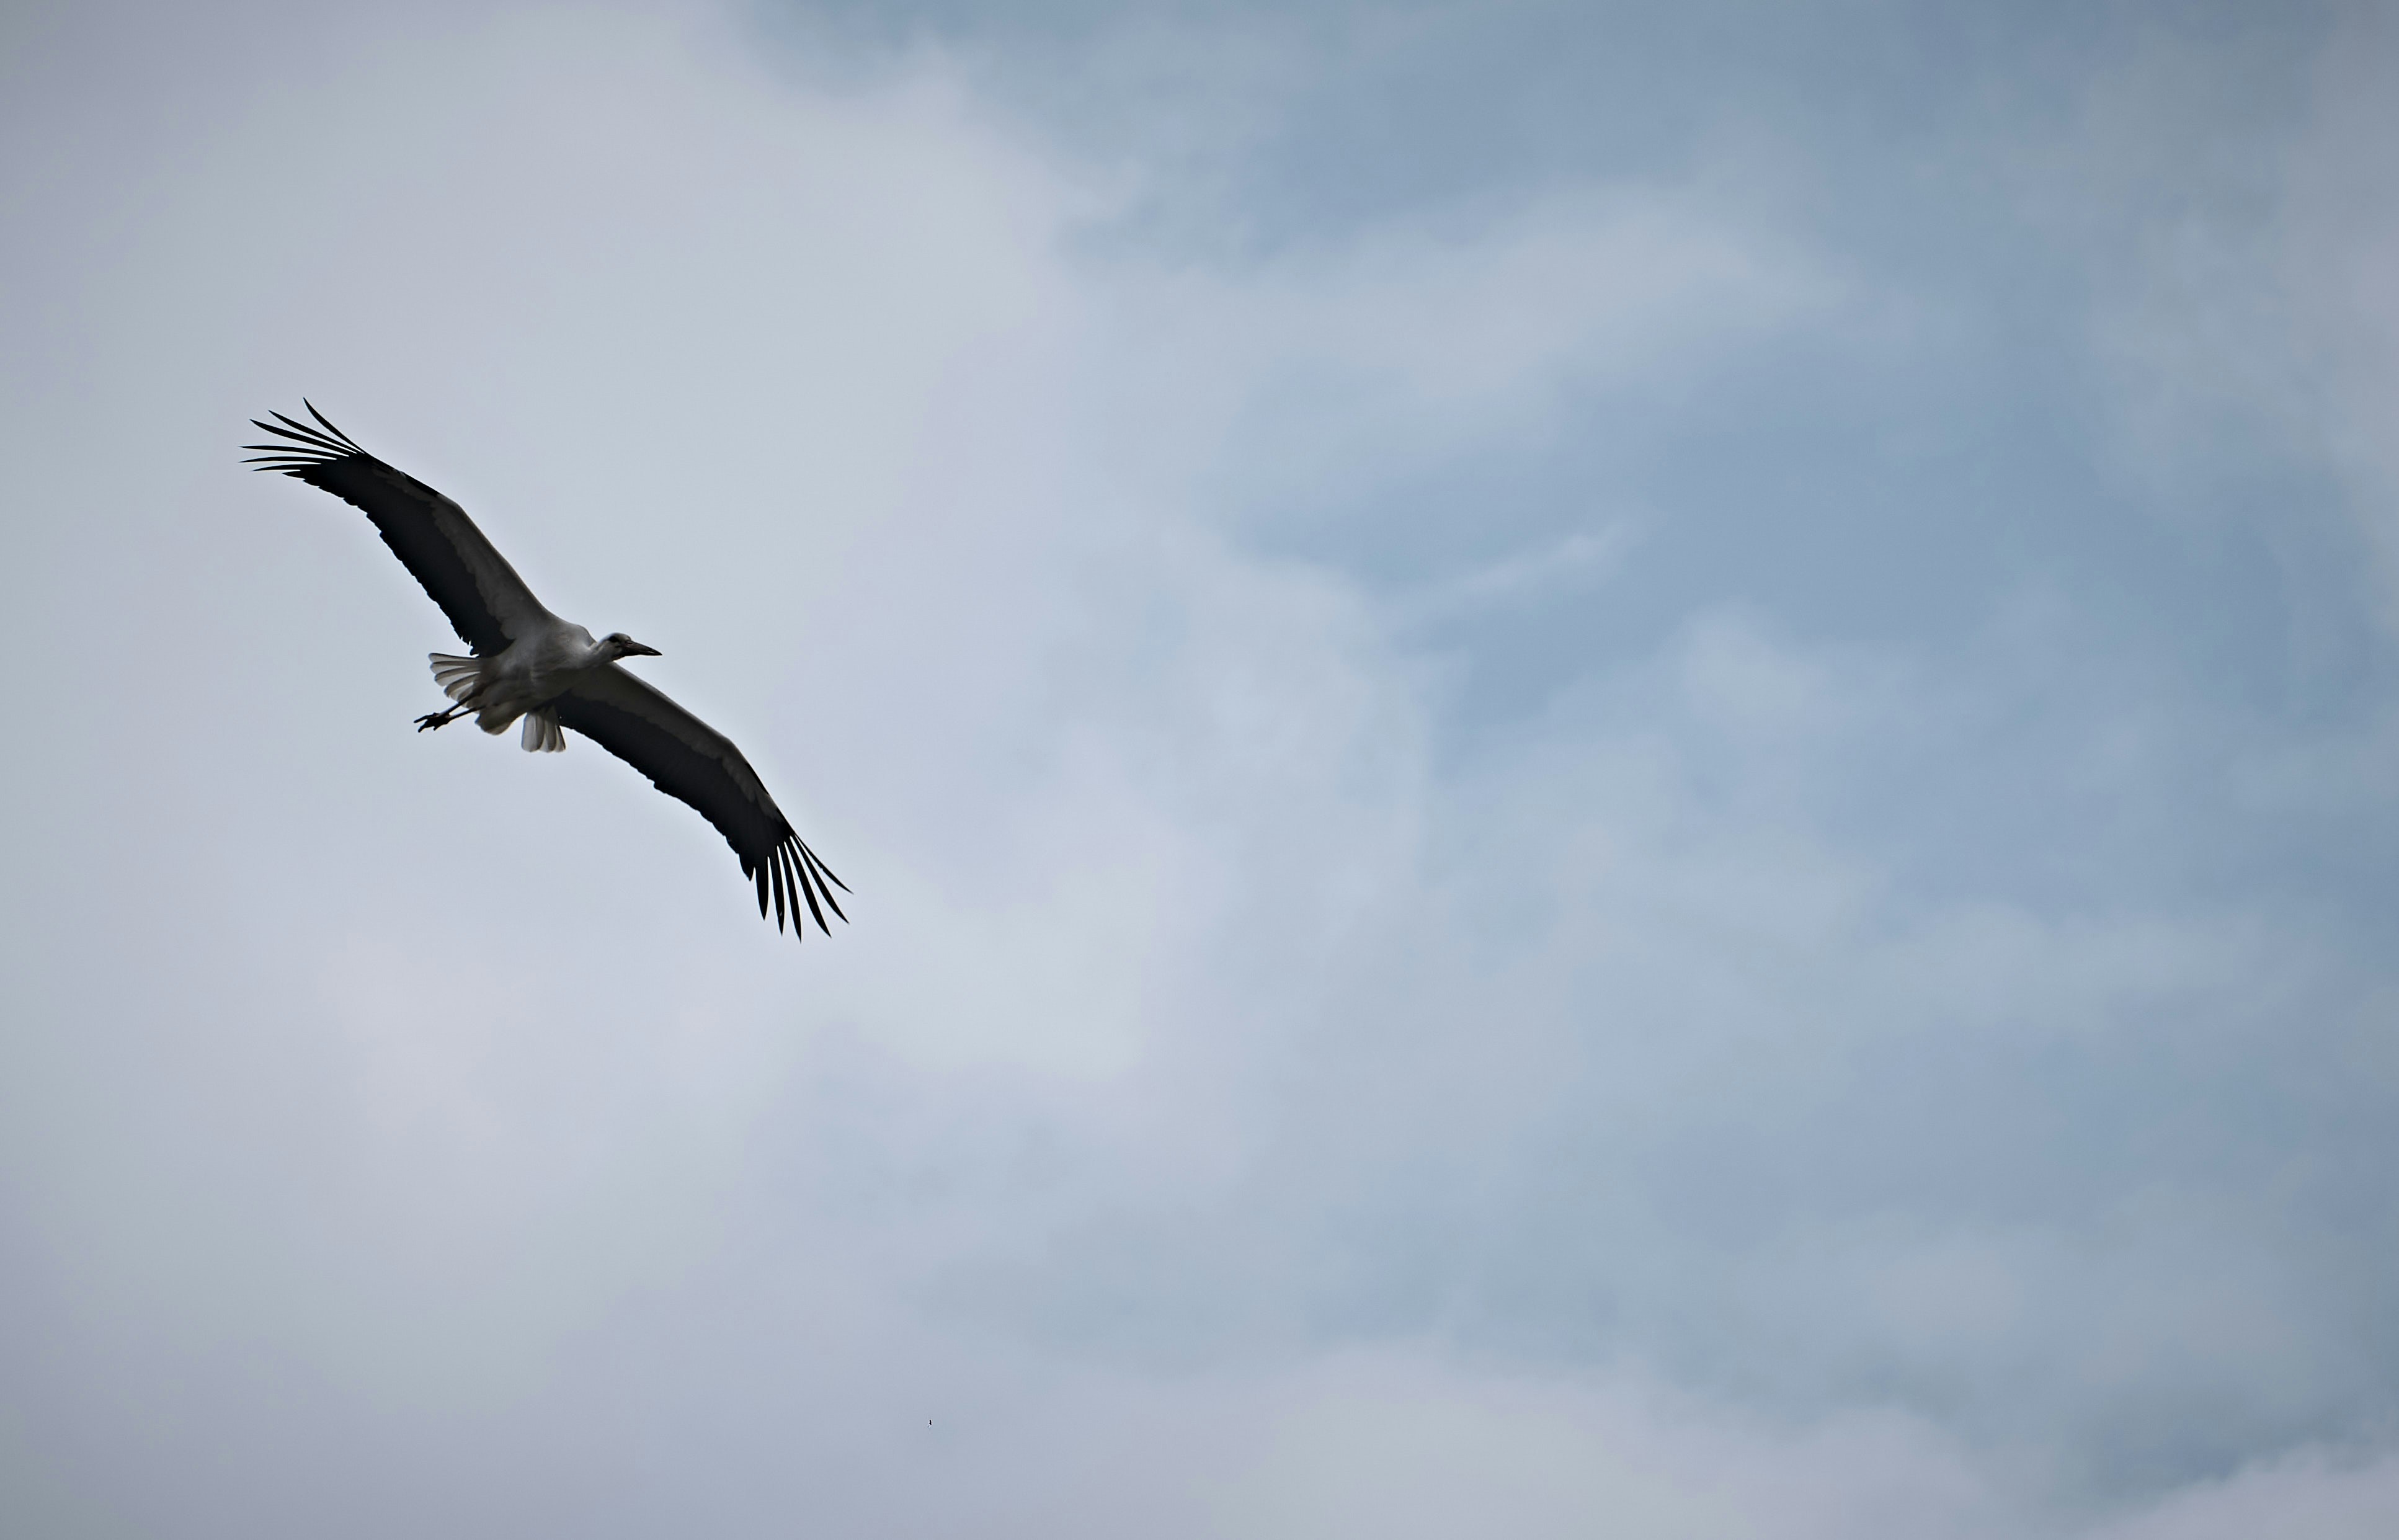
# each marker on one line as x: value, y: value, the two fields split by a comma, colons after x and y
x: 1545, y: 839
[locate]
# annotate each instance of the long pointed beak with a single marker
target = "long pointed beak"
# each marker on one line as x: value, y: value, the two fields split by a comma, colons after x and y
x: 634, y: 649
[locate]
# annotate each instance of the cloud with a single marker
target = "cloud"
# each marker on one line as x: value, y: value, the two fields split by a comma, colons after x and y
x: 2247, y: 297
x: 1769, y: 1078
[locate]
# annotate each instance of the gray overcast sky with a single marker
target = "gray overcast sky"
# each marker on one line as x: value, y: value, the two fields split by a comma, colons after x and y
x: 1610, y: 770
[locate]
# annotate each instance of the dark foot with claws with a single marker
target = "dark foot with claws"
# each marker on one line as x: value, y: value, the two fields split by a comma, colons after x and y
x: 434, y: 719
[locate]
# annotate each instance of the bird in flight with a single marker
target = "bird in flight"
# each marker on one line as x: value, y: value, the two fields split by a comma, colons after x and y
x: 528, y: 664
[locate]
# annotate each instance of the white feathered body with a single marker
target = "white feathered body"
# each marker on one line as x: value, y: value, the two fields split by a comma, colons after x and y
x: 522, y: 679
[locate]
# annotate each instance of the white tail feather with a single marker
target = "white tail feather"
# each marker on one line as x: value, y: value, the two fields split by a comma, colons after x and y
x: 542, y: 733
x: 457, y: 676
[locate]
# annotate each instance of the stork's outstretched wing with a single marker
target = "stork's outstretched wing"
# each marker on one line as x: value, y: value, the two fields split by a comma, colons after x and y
x: 687, y: 759
x: 487, y: 602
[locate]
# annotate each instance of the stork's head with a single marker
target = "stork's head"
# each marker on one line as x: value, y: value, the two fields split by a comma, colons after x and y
x: 621, y: 645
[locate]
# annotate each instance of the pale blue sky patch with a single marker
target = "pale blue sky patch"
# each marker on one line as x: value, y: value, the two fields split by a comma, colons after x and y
x: 1601, y: 764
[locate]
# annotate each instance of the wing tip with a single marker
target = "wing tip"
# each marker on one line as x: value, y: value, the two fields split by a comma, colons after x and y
x: 791, y: 884
x: 806, y: 877
x: 307, y: 447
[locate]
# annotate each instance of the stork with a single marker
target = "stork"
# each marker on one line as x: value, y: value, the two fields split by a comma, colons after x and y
x: 528, y: 664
